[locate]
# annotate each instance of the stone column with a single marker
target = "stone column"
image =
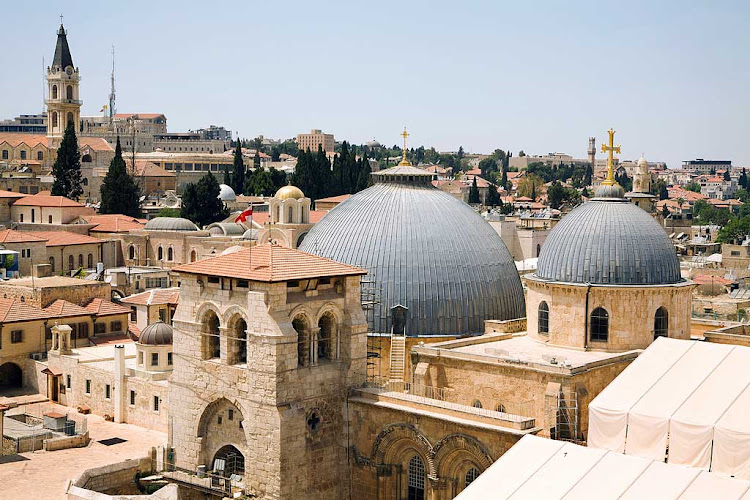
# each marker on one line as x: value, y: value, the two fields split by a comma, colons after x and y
x: 119, y: 387
x: 314, y: 345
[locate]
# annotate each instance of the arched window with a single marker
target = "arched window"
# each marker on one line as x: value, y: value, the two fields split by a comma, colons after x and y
x: 86, y: 158
x: 477, y: 404
x: 661, y: 323
x: 290, y: 218
x: 210, y: 333
x: 416, y: 478
x: 238, y: 343
x: 54, y: 92
x: 49, y: 219
x: 170, y: 254
x: 71, y: 262
x: 131, y: 252
x: 52, y: 263
x: 69, y: 92
x: 80, y: 260
x: 54, y: 119
x: 192, y: 256
x: 326, y: 337
x: 160, y: 253
x: 599, y: 325
x: 278, y: 214
x: 20, y: 216
x: 39, y: 155
x: 90, y: 261
x: 470, y: 476
x: 538, y: 249
x: 303, y: 348
x: 543, y: 318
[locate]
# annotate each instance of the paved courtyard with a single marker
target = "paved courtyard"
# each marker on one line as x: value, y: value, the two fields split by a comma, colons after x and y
x: 42, y: 475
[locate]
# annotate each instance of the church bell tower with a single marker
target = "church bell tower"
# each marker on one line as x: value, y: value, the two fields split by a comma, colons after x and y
x: 63, y: 100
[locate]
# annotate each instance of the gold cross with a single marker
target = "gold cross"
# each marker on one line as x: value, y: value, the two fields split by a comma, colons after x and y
x: 610, y: 149
x: 404, y: 161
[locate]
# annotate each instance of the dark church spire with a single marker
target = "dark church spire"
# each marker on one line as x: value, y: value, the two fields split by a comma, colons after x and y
x: 63, y: 59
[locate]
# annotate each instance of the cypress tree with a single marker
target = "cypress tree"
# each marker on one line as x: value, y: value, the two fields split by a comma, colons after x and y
x: 238, y: 170
x: 227, y: 178
x: 119, y: 193
x: 474, y: 192
x: 67, y: 167
x: 493, y: 197
x: 365, y: 179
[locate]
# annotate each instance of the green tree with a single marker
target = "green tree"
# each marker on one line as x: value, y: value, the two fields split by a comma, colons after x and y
x: 227, y: 178
x: 589, y: 175
x: 521, y: 154
x: 743, y: 179
x: 169, y: 212
x: 665, y: 211
x: 487, y: 166
x: 727, y: 177
x: 474, y: 193
x: 120, y: 193
x: 528, y: 186
x: 238, y: 171
x: 493, y: 197
x: 555, y: 195
x: 693, y: 186
x: 67, y: 167
x: 201, y: 203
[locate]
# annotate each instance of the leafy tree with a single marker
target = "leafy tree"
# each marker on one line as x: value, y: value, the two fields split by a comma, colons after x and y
x: 364, y: 179
x: 735, y: 229
x: 169, y: 212
x: 67, y: 167
x: 256, y: 159
x: 555, y: 194
x: 659, y: 188
x: 474, y: 193
x: 693, y: 186
x: 493, y: 197
x: 624, y: 181
x: 201, y: 203
x: 260, y: 182
x: 521, y: 154
x: 257, y: 143
x: 460, y: 154
x: 238, y: 171
x: 487, y: 166
x: 528, y: 186
x: 120, y: 193
x: 275, y: 153
x: 727, y: 177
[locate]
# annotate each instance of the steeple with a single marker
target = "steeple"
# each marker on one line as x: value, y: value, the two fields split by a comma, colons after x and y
x: 62, y: 58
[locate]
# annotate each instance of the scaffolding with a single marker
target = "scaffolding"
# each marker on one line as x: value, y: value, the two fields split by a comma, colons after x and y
x: 370, y: 300
x: 563, y: 412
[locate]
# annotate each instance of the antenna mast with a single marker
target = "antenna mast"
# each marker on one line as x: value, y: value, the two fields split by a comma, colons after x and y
x: 112, y: 90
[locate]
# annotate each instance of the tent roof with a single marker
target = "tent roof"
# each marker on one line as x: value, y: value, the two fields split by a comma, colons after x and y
x: 693, y: 395
x: 541, y: 468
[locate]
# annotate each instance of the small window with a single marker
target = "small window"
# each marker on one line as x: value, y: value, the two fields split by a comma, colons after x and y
x: 169, y: 358
x: 154, y: 359
x: 140, y: 357
x: 132, y: 398
x: 156, y: 403
x: 16, y: 336
x: 49, y: 219
x: 116, y: 326
x: 100, y: 328
x: 477, y: 404
x: 231, y: 414
x: 5, y: 154
x: 23, y: 155
x: 661, y: 323
x: 599, y: 325
x: 133, y: 313
x: 213, y: 279
x: 88, y: 386
x: 160, y: 253
x: 39, y: 155
x: 170, y: 254
x: 107, y: 391
x: 242, y: 283
x: 500, y: 408
x: 67, y: 381
x: 543, y: 318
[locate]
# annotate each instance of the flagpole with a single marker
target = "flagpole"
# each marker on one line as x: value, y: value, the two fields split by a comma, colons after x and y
x: 251, y: 239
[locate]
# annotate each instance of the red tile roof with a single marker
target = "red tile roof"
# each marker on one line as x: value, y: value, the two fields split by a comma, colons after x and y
x: 145, y: 168
x: 705, y: 279
x: 45, y: 200
x: 63, y: 309
x: 59, y: 238
x: 12, y: 236
x: 11, y: 194
x: 113, y: 223
x: 154, y: 296
x: 102, y: 307
x: 13, y: 310
x: 95, y: 143
x: 269, y: 263
x: 335, y: 199
x: 16, y: 139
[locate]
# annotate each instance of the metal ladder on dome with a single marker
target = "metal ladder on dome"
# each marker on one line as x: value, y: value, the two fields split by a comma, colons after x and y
x: 398, y: 358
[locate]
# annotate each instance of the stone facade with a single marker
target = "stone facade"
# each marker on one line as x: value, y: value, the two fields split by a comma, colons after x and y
x: 282, y: 409
x: 631, y: 311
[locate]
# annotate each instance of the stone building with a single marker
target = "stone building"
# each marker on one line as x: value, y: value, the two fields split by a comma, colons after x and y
x: 289, y: 218
x: 641, y: 194
x: 275, y: 338
x: 314, y: 139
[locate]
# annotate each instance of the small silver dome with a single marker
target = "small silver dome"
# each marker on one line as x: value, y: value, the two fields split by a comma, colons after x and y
x: 226, y: 229
x: 226, y: 193
x: 609, y: 241
x: 170, y: 224
x: 250, y: 234
x: 158, y: 333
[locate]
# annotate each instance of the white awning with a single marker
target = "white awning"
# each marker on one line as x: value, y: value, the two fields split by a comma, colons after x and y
x: 538, y: 468
x: 693, y: 395
x: 714, y: 257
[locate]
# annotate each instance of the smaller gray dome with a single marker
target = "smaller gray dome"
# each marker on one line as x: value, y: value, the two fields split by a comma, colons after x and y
x: 158, y: 333
x: 226, y: 193
x: 170, y: 224
x: 250, y: 234
x: 226, y: 229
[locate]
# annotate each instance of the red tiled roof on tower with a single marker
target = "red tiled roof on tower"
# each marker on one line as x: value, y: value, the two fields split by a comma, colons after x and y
x: 46, y: 200
x: 269, y: 263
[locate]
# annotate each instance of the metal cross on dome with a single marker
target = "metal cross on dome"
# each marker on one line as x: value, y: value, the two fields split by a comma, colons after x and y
x: 610, y: 149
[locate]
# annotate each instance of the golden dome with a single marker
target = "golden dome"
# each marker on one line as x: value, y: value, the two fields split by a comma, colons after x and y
x: 289, y: 192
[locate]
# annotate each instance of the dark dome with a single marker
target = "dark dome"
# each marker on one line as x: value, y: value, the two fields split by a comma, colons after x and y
x: 609, y: 241
x: 158, y: 333
x: 170, y: 224
x: 425, y: 250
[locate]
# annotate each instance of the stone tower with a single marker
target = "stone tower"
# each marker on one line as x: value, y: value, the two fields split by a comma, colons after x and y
x: 290, y: 218
x: 63, y: 102
x: 267, y: 343
x: 642, y: 177
x: 592, y: 153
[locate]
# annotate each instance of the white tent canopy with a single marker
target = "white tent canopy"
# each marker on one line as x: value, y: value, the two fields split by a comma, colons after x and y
x: 686, y: 400
x: 541, y: 468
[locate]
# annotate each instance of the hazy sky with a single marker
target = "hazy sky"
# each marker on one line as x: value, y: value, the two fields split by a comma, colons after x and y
x: 670, y: 77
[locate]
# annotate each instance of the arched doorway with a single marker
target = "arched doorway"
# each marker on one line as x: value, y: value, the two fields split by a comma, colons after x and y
x: 228, y: 460
x: 11, y: 376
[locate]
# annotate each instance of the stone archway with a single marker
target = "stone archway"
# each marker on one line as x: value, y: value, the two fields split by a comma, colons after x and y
x: 228, y: 460
x: 222, y: 424
x: 11, y: 376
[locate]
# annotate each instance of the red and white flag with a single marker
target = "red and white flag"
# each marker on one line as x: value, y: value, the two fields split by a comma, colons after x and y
x: 244, y: 215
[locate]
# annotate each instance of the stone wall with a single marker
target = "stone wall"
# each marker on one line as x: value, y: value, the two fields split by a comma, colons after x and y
x: 631, y: 312
x: 63, y: 443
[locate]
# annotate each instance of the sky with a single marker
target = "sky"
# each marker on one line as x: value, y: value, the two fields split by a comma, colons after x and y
x: 539, y: 76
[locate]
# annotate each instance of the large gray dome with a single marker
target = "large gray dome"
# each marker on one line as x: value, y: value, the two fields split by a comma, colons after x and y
x: 609, y: 241
x: 170, y: 224
x: 425, y: 250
